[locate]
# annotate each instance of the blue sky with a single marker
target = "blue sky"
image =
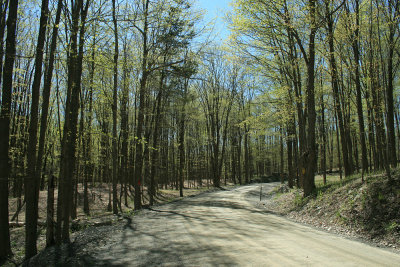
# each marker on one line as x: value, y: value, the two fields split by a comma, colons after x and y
x: 216, y: 9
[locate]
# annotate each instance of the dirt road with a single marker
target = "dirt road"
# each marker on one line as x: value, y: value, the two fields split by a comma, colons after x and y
x: 225, y: 228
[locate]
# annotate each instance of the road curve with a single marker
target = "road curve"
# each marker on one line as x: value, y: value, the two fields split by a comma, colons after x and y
x: 225, y: 228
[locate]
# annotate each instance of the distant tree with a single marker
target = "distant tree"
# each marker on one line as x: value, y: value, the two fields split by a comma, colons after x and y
x: 216, y: 100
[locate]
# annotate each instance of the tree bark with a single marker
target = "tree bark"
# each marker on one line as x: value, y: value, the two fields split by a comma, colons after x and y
x: 5, y: 248
x: 309, y: 157
x: 3, y: 13
x: 68, y: 148
x: 323, y: 135
x: 290, y: 150
x: 50, y: 212
x: 114, y: 111
x: 141, y: 111
x: 88, y: 140
x: 125, y: 126
x: 182, y: 146
x: 155, y: 152
x: 282, y: 162
x: 32, y: 181
x: 390, y: 101
x: 361, y: 127
x: 246, y: 156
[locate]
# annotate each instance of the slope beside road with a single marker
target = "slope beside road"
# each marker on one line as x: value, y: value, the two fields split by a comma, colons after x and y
x: 223, y: 228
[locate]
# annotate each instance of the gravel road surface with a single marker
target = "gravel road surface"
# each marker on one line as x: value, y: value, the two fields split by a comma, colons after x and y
x: 223, y: 228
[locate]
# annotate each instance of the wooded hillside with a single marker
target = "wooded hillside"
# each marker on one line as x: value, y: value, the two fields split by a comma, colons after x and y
x: 135, y: 96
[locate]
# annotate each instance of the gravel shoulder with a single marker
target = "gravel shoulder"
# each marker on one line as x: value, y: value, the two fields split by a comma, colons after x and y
x: 223, y: 228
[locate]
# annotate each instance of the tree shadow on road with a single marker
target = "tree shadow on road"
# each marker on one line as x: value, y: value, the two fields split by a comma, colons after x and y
x: 163, y: 236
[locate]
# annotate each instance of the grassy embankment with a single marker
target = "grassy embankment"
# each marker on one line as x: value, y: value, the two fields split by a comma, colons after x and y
x: 370, y: 210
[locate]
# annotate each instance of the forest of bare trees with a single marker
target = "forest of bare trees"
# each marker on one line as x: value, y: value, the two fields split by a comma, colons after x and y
x: 137, y: 96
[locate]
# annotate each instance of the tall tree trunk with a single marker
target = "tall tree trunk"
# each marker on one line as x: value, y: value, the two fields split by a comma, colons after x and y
x: 297, y: 86
x: 398, y: 128
x: 370, y: 119
x: 225, y: 136
x: 323, y: 135
x: 182, y: 146
x: 68, y: 148
x: 88, y: 146
x: 142, y: 105
x: 5, y: 248
x: 338, y: 146
x: 379, y: 118
x: 155, y: 152
x: 3, y: 13
x: 310, y: 156
x: 290, y: 145
x: 114, y: 110
x: 381, y: 140
x: 390, y: 101
x: 125, y: 126
x: 32, y: 181
x: 361, y: 127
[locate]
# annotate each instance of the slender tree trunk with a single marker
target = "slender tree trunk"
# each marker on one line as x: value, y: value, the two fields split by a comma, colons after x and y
x: 376, y: 95
x: 398, y: 129
x: 155, y: 151
x: 142, y: 104
x: 215, y: 142
x: 246, y: 157
x: 356, y: 52
x: 125, y: 127
x: 370, y: 119
x: 338, y: 146
x: 310, y: 156
x: 50, y: 212
x: 282, y: 165
x: 88, y: 146
x: 233, y: 156
x: 32, y: 181
x: 3, y: 13
x: 5, y: 248
x: 356, y: 157
x: 114, y: 110
x: 182, y: 147
x: 290, y: 145
x: 68, y: 148
x: 324, y: 141
x: 297, y: 86
x: 239, y: 157
x: 390, y: 101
